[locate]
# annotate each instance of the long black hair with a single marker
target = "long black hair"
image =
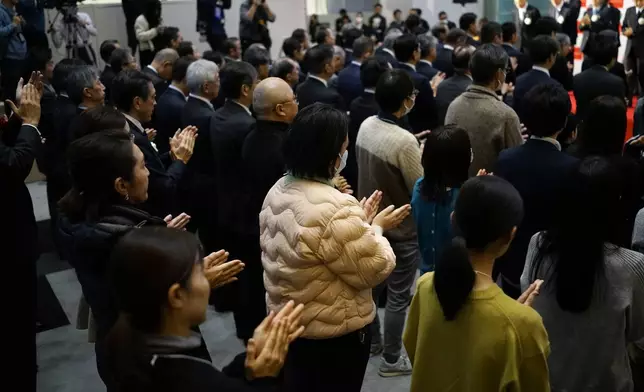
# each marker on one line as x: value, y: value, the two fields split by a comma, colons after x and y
x: 152, y: 12
x: 95, y: 161
x: 487, y: 209
x: 603, y: 131
x: 446, y: 161
x: 143, y: 266
x: 577, y: 243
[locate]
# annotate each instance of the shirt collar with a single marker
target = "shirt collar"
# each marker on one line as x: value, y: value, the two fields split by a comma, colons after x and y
x: 391, y: 52
x: 370, y: 90
x: 203, y: 100
x: 559, y: 7
x: 412, y: 66
x: 389, y: 118
x: 320, y: 79
x: 524, y: 9
x: 447, y: 46
x: 175, y: 88
x: 63, y: 95
x: 554, y: 142
x: 134, y: 121
x: 427, y: 62
x: 359, y: 64
x: 537, y: 68
x: 239, y: 104
x: 153, y: 70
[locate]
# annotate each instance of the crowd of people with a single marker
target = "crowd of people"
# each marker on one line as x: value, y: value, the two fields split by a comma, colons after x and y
x: 303, y: 193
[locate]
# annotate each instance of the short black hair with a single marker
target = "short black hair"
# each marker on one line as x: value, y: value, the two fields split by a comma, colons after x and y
x: 318, y: 57
x: 405, y: 46
x: 350, y: 36
x: 290, y: 46
x: 442, y: 13
x: 107, y: 47
x: 282, y: 68
x: 438, y: 30
x: 397, y: 11
x: 487, y: 60
x: 234, y: 75
x: 343, y: 11
x: 299, y: 35
x: 604, y: 50
x: 466, y: 20
x: 97, y: 119
x: 490, y: 31
x: 392, y: 89
x: 180, y: 68
x: 542, y: 48
x: 229, y: 44
x: 119, y: 58
x: 39, y: 57
x: 371, y: 70
x: 546, y: 25
x: 377, y: 5
x: 321, y: 34
x: 128, y: 85
x: 509, y: 30
x: 412, y: 23
x: 186, y: 48
x: 62, y: 71
x: 456, y: 37
x: 171, y: 33
x: 214, y: 56
x: 461, y: 57
x: 361, y: 46
x: 314, y: 141
x: 257, y: 56
x: 418, y: 11
x: 545, y: 109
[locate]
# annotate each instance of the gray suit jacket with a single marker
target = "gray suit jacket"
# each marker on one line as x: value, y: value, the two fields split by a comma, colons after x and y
x: 448, y: 91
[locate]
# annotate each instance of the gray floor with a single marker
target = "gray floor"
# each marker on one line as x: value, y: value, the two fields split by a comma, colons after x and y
x: 66, y: 360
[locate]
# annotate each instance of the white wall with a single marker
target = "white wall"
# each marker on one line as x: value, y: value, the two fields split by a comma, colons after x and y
x: 109, y: 19
x: 431, y: 8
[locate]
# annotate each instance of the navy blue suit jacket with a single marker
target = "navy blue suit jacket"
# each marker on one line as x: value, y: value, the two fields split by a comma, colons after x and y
x: 539, y: 172
x: 387, y: 56
x: 526, y: 82
x: 426, y: 69
x: 349, y: 84
x: 424, y: 115
x: 167, y: 117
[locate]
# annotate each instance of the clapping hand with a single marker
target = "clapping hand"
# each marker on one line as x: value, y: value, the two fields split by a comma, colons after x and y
x: 29, y: 110
x: 483, y: 172
x: 524, y: 133
x: 371, y: 205
x: 390, y: 217
x: 151, y: 134
x: 436, y: 81
x: 219, y: 271
x: 528, y: 296
x: 179, y: 222
x: 182, y: 145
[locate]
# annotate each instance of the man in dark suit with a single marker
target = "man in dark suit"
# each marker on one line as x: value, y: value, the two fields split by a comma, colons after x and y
x: 167, y: 113
x: 543, y: 53
x: 539, y: 170
x: 386, y: 51
x: 566, y: 15
x: 424, y: 115
x: 134, y: 95
x: 491, y: 33
x: 423, y: 25
x: 211, y: 20
x: 232, y: 49
x: 598, y: 17
x: 562, y: 70
x: 349, y: 36
x: 467, y: 23
x: 294, y: 51
x: 456, y: 85
x: 443, y: 63
x: 360, y: 109
x: 524, y: 17
x: 634, y: 30
x: 315, y: 88
x: 443, y: 20
x: 377, y: 23
x: 520, y: 61
x: 428, y: 49
x: 287, y: 70
x: 108, y: 74
x: 198, y: 185
x: 20, y: 142
x: 349, y: 85
x: 597, y: 80
x: 160, y: 70
x: 229, y: 127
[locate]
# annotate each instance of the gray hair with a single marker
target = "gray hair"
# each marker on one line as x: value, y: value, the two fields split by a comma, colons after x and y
x: 361, y: 46
x: 563, y: 39
x: 166, y: 55
x: 427, y: 42
x: 338, y: 51
x: 283, y: 67
x: 79, y: 79
x: 390, y: 38
x: 199, y: 73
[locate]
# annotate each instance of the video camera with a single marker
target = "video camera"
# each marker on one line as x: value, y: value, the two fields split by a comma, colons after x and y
x: 61, y: 4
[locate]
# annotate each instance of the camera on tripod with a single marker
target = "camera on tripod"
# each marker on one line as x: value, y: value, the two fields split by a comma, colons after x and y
x: 61, y: 4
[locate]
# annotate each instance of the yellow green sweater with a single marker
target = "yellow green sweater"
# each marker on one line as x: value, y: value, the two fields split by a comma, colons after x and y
x: 494, y: 344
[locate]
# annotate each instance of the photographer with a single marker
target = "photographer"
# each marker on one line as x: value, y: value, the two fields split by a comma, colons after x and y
x: 13, y: 48
x: 75, y: 28
x: 253, y: 23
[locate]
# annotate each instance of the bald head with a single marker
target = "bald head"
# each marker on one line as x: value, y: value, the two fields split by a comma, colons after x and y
x: 164, y: 61
x: 273, y: 99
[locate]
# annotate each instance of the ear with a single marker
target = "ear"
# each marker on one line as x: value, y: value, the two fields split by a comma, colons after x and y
x: 120, y: 186
x: 513, y: 233
x: 136, y: 104
x: 175, y: 296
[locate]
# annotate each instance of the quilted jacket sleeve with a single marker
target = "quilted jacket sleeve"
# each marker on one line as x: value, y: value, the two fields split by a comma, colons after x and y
x: 351, y: 249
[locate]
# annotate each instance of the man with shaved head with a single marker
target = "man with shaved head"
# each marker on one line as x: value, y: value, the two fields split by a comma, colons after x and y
x: 161, y: 69
x: 275, y: 108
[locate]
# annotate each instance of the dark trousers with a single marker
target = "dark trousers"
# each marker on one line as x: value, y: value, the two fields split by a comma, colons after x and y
x: 216, y: 42
x: 146, y: 57
x: 328, y: 365
x: 86, y: 54
x: 10, y: 73
x: 132, y: 10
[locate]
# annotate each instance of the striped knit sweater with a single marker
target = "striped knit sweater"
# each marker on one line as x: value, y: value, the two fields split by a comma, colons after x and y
x: 388, y: 160
x: 589, y: 349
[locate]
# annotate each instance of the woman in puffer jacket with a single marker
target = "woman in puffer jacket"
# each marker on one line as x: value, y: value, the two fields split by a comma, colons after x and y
x: 324, y: 249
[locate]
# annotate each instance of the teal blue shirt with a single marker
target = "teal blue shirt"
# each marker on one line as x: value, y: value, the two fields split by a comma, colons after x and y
x: 433, y: 223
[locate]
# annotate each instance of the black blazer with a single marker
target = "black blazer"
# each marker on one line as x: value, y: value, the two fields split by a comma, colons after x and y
x: 107, y: 76
x: 160, y: 84
x: 165, y: 175
x: 387, y: 56
x: 313, y: 90
x: 567, y: 18
x: 524, y: 63
x: 526, y: 31
x: 635, y: 43
x: 361, y: 108
x: 444, y: 62
x: 378, y: 26
x: 525, y: 83
x: 608, y: 19
x: 228, y: 129
x: 198, y: 113
x: 426, y: 69
x: 561, y: 73
x: 349, y: 84
x: 539, y: 171
x: 592, y: 83
x: 424, y: 115
x: 448, y: 91
x: 167, y: 117
x: 58, y: 182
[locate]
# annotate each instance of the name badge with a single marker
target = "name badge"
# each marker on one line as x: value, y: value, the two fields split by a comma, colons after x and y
x: 560, y: 19
x: 595, y: 18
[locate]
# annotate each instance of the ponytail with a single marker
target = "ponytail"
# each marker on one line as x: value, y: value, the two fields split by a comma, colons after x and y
x: 127, y: 358
x: 454, y: 278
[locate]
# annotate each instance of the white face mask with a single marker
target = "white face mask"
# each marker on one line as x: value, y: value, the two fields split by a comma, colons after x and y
x: 343, y: 162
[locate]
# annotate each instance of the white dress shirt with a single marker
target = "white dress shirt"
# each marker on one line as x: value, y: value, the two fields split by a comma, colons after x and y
x: 544, y: 70
x: 320, y: 79
x: 172, y: 86
x: 202, y: 99
x: 522, y: 12
x: 239, y: 104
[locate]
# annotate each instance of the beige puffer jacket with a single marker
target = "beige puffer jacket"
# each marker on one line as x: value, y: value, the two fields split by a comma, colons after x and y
x: 318, y: 250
